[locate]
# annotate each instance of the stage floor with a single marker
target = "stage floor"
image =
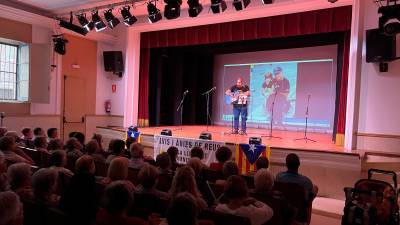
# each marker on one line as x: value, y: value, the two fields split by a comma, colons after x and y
x: 221, y: 133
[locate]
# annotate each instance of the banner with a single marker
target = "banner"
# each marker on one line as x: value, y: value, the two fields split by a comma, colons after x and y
x: 184, y: 145
x: 246, y: 156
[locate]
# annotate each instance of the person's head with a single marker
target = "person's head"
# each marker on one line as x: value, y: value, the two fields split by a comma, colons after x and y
x: 3, y: 164
x: 129, y: 141
x: 173, y: 153
x: 7, y: 143
x: 3, y: 131
x: 148, y: 176
x: 235, y: 188
x: 278, y: 73
x: 27, y: 132
x: 137, y: 151
x: 262, y: 163
x: 73, y: 144
x: 117, y: 198
x: 184, y: 181
x: 37, y: 131
x: 292, y: 162
x: 263, y: 180
x: 14, y: 135
x: 239, y: 82
x: 85, y: 164
x: 223, y: 154
x: 230, y: 168
x: 197, y: 152
x: 182, y: 210
x: 163, y: 161
x: 92, y: 147
x: 196, y: 165
x: 58, y: 158
x: 80, y: 137
x: 19, y: 175
x: 11, y: 209
x: 52, y: 133
x: 40, y: 142
x: 44, y: 183
x: 118, y: 147
x: 98, y: 138
x: 118, y: 169
x: 55, y: 144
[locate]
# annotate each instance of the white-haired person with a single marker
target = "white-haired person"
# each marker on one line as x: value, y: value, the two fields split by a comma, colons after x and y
x: 44, y: 183
x: 11, y: 209
x: 20, y: 179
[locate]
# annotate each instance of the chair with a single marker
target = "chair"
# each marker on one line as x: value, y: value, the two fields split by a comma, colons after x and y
x: 101, y: 168
x: 223, y: 218
x: 212, y: 175
x: 133, y: 175
x: 146, y: 204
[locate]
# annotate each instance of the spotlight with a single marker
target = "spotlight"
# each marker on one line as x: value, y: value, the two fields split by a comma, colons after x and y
x: 166, y: 132
x: 172, y: 9
x: 73, y: 27
x: 194, y: 8
x: 59, y: 44
x: 389, y: 22
x: 218, y: 6
x: 129, y: 19
x: 240, y: 4
x: 267, y: 1
x: 205, y: 136
x: 84, y: 22
x: 255, y: 141
x: 111, y: 19
x: 332, y: 1
x: 154, y: 13
x: 99, y: 25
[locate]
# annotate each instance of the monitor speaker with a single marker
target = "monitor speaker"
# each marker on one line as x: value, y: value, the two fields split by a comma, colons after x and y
x: 113, y: 62
x: 380, y: 47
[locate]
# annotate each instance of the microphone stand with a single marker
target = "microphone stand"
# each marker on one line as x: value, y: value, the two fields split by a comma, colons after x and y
x: 207, y: 94
x: 272, y: 119
x: 180, y: 107
x: 305, y: 138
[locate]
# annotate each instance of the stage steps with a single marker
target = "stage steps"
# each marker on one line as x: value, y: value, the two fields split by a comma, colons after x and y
x: 327, y: 211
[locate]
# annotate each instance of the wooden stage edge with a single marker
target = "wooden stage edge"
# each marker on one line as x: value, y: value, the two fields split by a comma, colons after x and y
x: 287, y: 142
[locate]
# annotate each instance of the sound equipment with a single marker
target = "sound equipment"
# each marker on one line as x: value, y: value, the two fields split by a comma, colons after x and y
x: 380, y: 47
x: 255, y: 141
x: 113, y: 62
x: 205, y: 136
x: 166, y: 132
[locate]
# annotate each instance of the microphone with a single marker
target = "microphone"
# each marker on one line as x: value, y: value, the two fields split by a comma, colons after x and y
x: 214, y: 88
x: 187, y: 91
x: 207, y: 92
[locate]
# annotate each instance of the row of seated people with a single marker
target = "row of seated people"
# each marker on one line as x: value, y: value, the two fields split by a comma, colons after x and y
x: 145, y: 182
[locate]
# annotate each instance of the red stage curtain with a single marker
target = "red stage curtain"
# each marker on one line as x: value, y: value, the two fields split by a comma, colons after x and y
x: 312, y: 22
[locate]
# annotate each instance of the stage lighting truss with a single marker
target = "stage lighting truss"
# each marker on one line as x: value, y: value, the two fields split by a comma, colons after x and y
x: 129, y: 19
x: 110, y: 18
x: 240, y: 4
x: 389, y: 22
x: 218, y: 6
x: 195, y: 8
x: 172, y: 9
x: 154, y: 13
x: 85, y: 23
x: 99, y: 25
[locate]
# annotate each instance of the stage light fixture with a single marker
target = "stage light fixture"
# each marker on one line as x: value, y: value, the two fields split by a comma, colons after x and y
x: 85, y: 22
x: 240, y: 4
x: 166, y: 132
x: 332, y: 1
x: 111, y: 19
x: 154, y: 13
x: 99, y: 25
x: 267, y: 1
x: 59, y: 44
x: 389, y: 22
x: 255, y: 141
x: 172, y: 9
x: 205, y: 136
x: 195, y: 8
x: 218, y: 6
x: 73, y: 27
x: 129, y: 19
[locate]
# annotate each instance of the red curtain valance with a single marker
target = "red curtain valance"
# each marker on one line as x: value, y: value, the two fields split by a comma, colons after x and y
x: 312, y: 22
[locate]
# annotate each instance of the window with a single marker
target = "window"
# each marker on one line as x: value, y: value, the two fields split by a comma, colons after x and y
x: 8, y: 72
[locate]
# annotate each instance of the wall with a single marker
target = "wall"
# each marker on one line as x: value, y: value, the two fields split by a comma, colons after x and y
x: 379, y: 125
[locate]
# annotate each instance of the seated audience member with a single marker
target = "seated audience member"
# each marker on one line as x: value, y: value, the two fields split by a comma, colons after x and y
x: 261, y: 163
x: 263, y: 181
x: 80, y: 137
x: 129, y: 141
x: 173, y: 153
x: 16, y: 137
x: 11, y: 209
x: 37, y: 131
x: 99, y: 139
x: 184, y: 181
x: 52, y: 133
x: 58, y: 161
x: 27, y: 137
x: 10, y: 151
x: 74, y: 149
x: 202, y: 184
x: 20, y: 179
x: 148, y: 176
x: 197, y: 152
x: 54, y: 144
x: 40, y: 143
x: 117, y: 199
x: 44, y: 186
x: 183, y: 210
x: 163, y: 162
x: 118, y: 170
x: 116, y: 148
x: 222, y: 154
x: 3, y: 131
x: 93, y: 149
x: 137, y: 159
x: 241, y: 205
x: 230, y: 168
x: 292, y: 176
x: 79, y: 200
x: 3, y: 173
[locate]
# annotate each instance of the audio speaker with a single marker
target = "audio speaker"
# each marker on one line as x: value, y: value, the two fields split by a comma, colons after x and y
x: 113, y: 62
x: 380, y: 47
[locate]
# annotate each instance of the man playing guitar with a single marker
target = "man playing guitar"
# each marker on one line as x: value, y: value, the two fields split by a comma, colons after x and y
x: 239, y: 94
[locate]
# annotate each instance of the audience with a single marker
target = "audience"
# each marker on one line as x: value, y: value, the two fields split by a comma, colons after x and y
x: 93, y: 149
x: 9, y: 149
x: 58, y: 161
x: 74, y: 149
x: 137, y: 159
x: 263, y: 181
x: 54, y: 144
x: 163, y: 162
x: 129, y: 141
x: 118, y: 170
x: 80, y: 137
x: 20, y: 179
x: 292, y: 176
x: 240, y: 204
x: 184, y: 181
x: 11, y: 209
x: 222, y: 154
x: 44, y: 186
x: 99, y: 139
x: 197, y: 152
x: 3, y: 131
x: 37, y: 131
x: 52, y: 133
x: 262, y: 163
x: 3, y: 173
x: 230, y: 168
x: 148, y: 176
x: 173, y: 154
x: 116, y: 148
x: 202, y: 183
x: 40, y: 143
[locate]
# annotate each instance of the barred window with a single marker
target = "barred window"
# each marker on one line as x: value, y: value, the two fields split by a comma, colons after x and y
x: 8, y: 72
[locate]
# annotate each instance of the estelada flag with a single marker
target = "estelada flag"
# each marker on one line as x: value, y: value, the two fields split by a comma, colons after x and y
x: 247, y: 155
